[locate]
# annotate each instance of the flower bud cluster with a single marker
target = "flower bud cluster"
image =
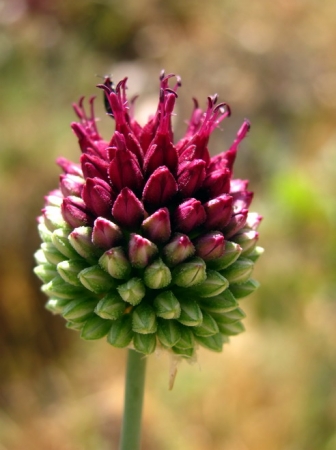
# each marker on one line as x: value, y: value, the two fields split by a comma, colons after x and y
x: 146, y: 241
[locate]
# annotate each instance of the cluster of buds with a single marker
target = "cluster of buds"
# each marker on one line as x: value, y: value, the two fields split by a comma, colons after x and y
x: 147, y: 241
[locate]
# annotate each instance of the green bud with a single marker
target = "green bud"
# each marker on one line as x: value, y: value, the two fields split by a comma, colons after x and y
x: 52, y: 199
x: 231, y: 254
x: 111, y: 306
x: 56, y: 305
x: 53, y: 218
x: 58, y: 288
x: 79, y: 310
x: 214, y: 284
x: 95, y: 328
x: 40, y: 257
x: 157, y: 275
x: 115, y: 262
x: 60, y: 239
x: 178, y: 249
x: 144, y: 343
x: 46, y: 272
x: 187, y: 339
x: 229, y: 317
x: 244, y: 289
x: 144, y: 319
x: 167, y: 306
x: 76, y: 326
x: 121, y: 334
x: 96, y: 280
x: 191, y: 314
x: 81, y: 240
x: 69, y: 270
x: 247, y: 240
x: 239, y: 272
x: 185, y: 352
x: 209, y: 327
x: 168, y: 332
x: 133, y: 291
x: 220, y: 304
x: 52, y: 255
x: 214, y: 343
x: 190, y: 273
x: 231, y: 329
x: 44, y: 233
x: 255, y: 254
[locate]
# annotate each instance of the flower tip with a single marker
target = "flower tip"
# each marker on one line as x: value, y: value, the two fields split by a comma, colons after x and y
x: 244, y: 129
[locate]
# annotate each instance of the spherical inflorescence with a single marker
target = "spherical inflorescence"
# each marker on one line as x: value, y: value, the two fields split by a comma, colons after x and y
x: 147, y: 241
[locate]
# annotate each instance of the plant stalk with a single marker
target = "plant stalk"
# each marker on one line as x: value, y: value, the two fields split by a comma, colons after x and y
x: 134, y: 393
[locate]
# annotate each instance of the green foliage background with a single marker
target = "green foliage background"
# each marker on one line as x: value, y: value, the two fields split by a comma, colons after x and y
x: 274, y: 387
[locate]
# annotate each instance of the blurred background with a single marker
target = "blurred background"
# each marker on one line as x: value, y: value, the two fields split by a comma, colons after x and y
x: 273, y: 387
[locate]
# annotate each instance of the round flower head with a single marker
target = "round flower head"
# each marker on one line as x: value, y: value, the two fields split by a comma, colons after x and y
x: 148, y: 241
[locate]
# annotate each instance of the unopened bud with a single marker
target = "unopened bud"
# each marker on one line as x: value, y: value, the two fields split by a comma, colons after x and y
x: 121, y: 333
x: 214, y: 343
x: 190, y: 273
x: 144, y: 343
x: 244, y: 289
x: 210, y: 246
x: 167, y: 306
x: 237, y: 222
x: 39, y: 257
x: 115, y: 262
x: 231, y: 254
x: 178, y: 249
x: 56, y: 305
x: 144, y: 319
x: 106, y: 234
x: 220, y: 304
x: 110, y: 307
x: 231, y: 329
x: 95, y: 328
x: 81, y: 241
x: 255, y: 254
x: 214, y: 284
x: 60, y: 239
x: 69, y: 270
x: 168, y: 332
x: 53, y: 218
x: 46, y: 272
x: 52, y: 255
x: 191, y: 314
x: 239, y: 272
x: 58, y: 288
x: 186, y: 340
x: 133, y: 291
x: 76, y: 326
x: 157, y: 226
x: 75, y: 212
x: 79, y: 310
x: 185, y: 352
x: 208, y: 327
x: 96, y: 279
x: 141, y: 251
x: 247, y: 240
x: 229, y: 317
x: 157, y: 275
x: 44, y: 233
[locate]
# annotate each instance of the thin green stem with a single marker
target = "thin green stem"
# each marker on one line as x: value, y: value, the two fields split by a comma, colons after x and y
x: 134, y: 392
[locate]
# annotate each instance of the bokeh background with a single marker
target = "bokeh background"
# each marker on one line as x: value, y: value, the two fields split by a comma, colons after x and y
x: 273, y: 387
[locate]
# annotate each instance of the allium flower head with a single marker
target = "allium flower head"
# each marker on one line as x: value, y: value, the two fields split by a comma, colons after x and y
x: 148, y: 241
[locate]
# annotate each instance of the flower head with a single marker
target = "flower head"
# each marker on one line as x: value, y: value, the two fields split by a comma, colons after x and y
x: 150, y: 241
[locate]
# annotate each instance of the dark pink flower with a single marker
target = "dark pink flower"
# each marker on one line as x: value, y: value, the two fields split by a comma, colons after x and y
x: 145, y: 235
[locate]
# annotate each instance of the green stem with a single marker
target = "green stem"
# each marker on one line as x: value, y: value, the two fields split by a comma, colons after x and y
x: 134, y: 391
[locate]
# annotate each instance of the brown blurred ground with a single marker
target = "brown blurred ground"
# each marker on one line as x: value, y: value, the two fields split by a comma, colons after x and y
x: 273, y: 387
